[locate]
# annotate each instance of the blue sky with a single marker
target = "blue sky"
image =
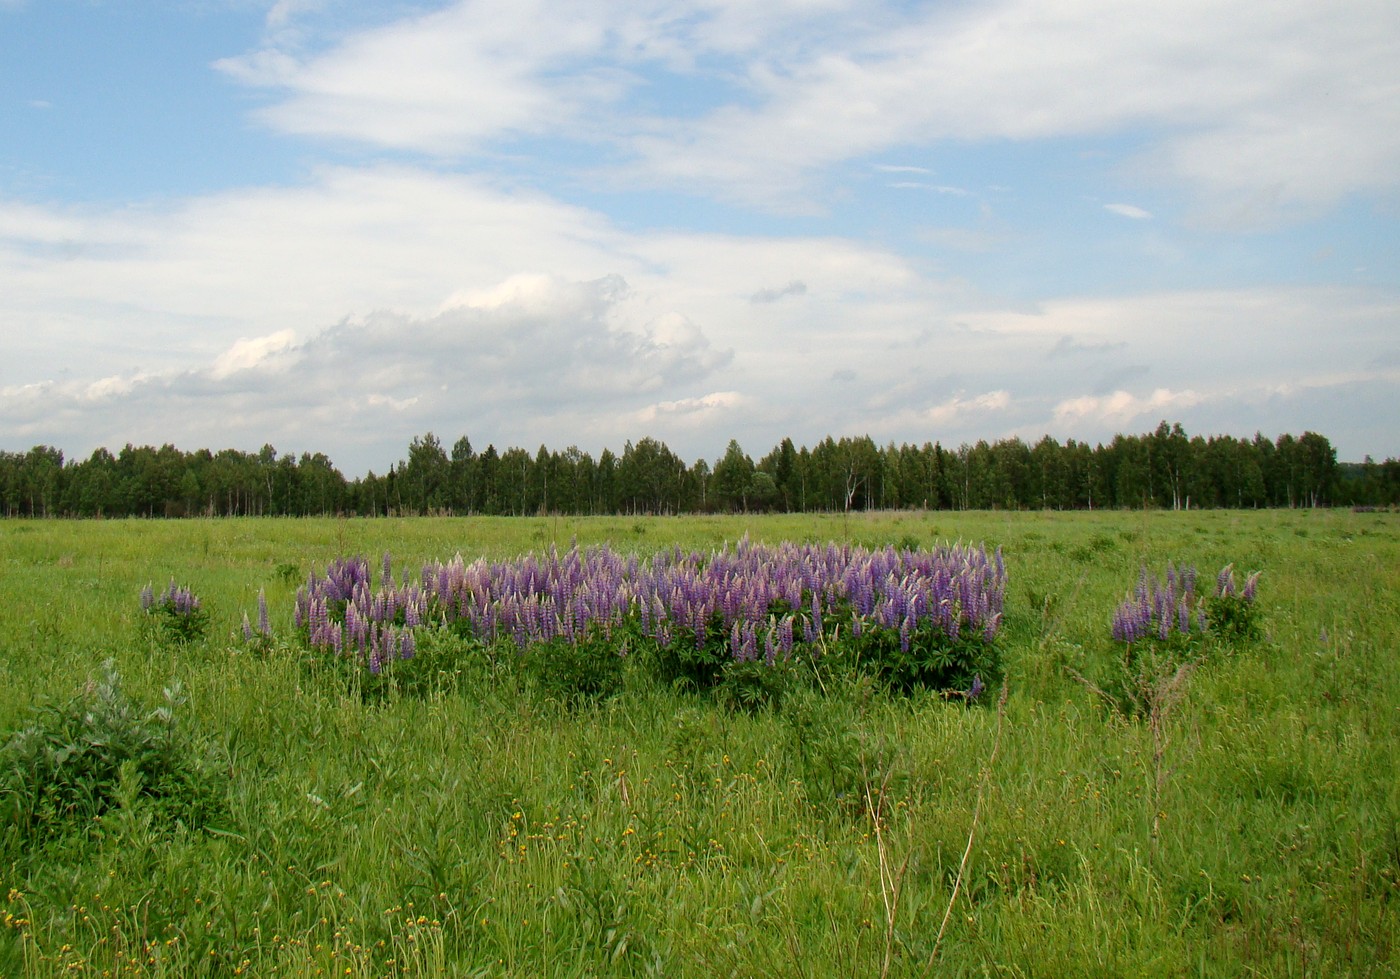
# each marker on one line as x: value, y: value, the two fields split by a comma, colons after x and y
x: 333, y: 225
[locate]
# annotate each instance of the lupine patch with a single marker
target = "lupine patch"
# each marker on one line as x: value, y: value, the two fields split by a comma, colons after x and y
x: 928, y: 617
x: 1232, y: 611
x: 1169, y: 610
x: 177, y: 612
x: 1160, y: 609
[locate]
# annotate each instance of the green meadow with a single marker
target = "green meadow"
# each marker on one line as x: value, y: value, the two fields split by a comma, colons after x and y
x: 1241, y: 817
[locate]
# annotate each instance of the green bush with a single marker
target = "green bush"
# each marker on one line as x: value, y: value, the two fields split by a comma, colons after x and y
x: 575, y: 672
x: 79, y: 758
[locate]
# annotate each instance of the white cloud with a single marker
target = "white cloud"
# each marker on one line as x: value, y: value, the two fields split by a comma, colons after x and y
x: 247, y: 354
x: 1122, y: 410
x: 444, y: 81
x: 794, y: 288
x: 1128, y: 211
x: 277, y: 314
x: 1260, y: 110
x: 702, y: 410
x: 1246, y: 104
x: 957, y: 410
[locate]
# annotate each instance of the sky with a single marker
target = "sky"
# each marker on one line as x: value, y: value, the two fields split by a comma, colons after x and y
x: 335, y: 225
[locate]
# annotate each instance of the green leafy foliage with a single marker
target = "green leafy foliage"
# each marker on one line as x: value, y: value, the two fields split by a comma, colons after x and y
x: 754, y: 685
x: 691, y: 662
x: 929, y: 658
x: 574, y: 673
x: 78, y: 758
x: 1234, y: 619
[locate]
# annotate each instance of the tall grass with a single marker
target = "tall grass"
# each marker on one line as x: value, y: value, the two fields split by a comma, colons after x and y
x: 485, y: 829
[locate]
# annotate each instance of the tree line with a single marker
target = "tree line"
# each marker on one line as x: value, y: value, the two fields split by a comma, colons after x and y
x: 1165, y: 468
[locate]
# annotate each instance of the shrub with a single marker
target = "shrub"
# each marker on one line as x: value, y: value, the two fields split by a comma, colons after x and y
x: 575, y: 672
x: 930, y: 658
x: 754, y: 685
x: 79, y: 758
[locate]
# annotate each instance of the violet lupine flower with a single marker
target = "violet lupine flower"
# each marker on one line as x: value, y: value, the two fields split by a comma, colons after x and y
x: 1158, y: 608
x: 320, y: 628
x: 785, y: 636
x: 975, y: 691
x: 148, y: 598
x: 264, y: 623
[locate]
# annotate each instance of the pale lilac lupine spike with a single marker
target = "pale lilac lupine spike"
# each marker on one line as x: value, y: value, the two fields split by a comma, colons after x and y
x: 1225, y: 582
x: 1250, y: 586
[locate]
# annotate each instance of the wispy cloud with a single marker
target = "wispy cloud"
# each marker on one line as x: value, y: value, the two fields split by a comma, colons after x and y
x: 1232, y: 99
x: 1128, y: 211
x: 794, y: 288
x: 1069, y: 346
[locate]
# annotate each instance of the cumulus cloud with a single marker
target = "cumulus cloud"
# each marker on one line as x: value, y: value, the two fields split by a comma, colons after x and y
x: 364, y: 306
x: 558, y: 349
x: 704, y: 410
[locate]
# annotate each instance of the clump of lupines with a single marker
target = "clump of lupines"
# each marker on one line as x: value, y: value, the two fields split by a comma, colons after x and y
x: 1225, y: 585
x: 1160, y: 609
x: 1163, y: 609
x: 1232, y: 611
x: 749, y: 603
x: 761, y: 599
x: 178, y: 611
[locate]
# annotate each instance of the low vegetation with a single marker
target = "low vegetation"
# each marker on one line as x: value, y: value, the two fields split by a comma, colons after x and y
x: 852, y: 744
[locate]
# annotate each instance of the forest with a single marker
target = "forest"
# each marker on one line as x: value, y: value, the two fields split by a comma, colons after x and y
x: 1165, y: 469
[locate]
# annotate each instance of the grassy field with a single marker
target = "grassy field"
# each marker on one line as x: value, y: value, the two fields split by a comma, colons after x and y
x: 1247, y: 822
